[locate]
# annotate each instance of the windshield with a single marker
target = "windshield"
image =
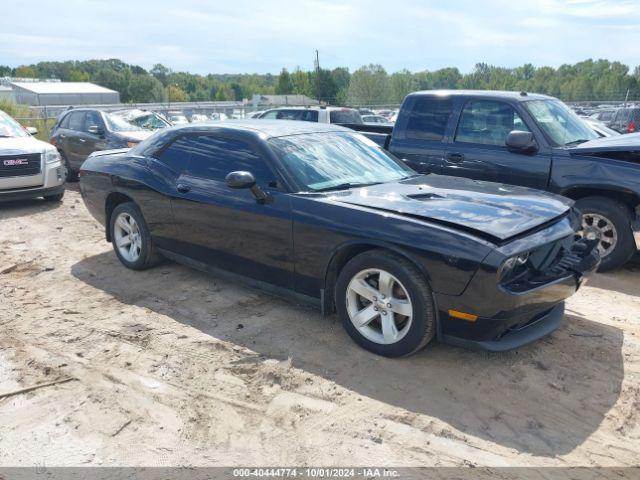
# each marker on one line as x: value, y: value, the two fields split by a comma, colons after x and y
x: 119, y: 124
x: 10, y: 128
x: 321, y: 161
x: 561, y: 125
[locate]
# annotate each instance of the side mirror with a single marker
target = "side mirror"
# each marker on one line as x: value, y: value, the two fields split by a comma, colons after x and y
x: 32, y: 130
x: 240, y: 179
x: 243, y: 179
x: 95, y: 130
x: 519, y: 141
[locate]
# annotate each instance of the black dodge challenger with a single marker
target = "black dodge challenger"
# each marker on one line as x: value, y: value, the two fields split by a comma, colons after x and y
x: 323, y: 213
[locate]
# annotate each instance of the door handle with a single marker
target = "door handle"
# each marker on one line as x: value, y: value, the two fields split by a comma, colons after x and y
x: 182, y: 188
x: 455, y: 157
x: 81, y: 140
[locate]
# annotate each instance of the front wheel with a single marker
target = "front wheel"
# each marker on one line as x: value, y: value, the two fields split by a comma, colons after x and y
x: 55, y: 198
x: 385, y: 304
x: 131, y: 238
x: 609, y: 222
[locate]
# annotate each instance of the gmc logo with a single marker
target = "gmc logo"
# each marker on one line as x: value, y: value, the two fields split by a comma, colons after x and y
x: 14, y: 162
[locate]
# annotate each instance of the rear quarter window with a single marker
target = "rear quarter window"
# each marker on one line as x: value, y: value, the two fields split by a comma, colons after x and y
x: 344, y: 116
x: 428, y: 118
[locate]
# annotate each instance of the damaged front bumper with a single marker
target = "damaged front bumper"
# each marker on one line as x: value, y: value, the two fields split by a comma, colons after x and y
x: 509, y: 316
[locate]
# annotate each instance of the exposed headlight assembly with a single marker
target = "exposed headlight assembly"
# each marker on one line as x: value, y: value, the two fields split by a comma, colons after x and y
x: 51, y: 156
x: 513, y: 266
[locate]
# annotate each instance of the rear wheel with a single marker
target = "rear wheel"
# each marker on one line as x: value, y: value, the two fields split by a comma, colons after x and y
x: 131, y: 238
x: 69, y: 174
x: 385, y: 304
x: 609, y: 222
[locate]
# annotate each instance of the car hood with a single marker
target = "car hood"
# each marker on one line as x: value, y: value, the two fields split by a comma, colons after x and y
x: 17, y: 145
x: 488, y: 209
x: 617, y: 143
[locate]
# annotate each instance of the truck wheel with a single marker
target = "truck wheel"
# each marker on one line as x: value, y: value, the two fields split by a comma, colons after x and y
x: 131, y: 238
x: 609, y: 222
x: 55, y: 198
x: 385, y: 304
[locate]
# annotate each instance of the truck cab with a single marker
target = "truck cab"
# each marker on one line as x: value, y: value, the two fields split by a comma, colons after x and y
x: 526, y: 139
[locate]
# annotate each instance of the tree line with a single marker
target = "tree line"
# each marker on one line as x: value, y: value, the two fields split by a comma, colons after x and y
x: 369, y: 85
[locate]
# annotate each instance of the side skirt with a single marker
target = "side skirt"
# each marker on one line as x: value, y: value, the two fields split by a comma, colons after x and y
x: 280, y: 292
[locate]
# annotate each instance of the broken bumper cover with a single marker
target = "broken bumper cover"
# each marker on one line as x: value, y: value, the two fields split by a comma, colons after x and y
x: 516, y: 317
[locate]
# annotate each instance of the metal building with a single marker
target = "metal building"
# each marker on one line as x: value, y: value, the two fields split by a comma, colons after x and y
x: 63, y: 93
x: 6, y: 93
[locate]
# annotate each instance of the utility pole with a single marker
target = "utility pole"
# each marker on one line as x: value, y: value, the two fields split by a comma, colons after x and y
x: 317, y: 65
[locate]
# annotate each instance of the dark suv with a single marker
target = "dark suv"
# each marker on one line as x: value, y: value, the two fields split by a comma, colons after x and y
x: 626, y: 120
x: 82, y: 131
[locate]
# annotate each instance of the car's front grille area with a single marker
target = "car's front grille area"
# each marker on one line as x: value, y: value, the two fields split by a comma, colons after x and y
x: 20, y: 165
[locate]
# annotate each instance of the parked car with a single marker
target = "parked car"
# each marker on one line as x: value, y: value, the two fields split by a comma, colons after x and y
x: 218, y: 116
x: 604, y: 115
x: 314, y: 114
x: 530, y: 140
x: 82, y: 131
x: 199, y: 117
x: 600, y: 128
x: 322, y: 213
x: 375, y: 120
x: 626, y: 120
x: 29, y: 168
x: 177, y: 118
x: 143, y: 119
x: 255, y: 114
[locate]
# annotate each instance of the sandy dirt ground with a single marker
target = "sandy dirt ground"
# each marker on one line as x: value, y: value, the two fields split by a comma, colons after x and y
x: 175, y: 367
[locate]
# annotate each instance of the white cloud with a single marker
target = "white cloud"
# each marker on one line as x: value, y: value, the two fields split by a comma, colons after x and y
x: 260, y: 36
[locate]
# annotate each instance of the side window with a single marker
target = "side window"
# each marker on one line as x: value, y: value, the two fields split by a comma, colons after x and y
x: 214, y: 157
x: 76, y: 122
x: 64, y: 123
x: 92, y: 118
x: 487, y: 123
x: 272, y: 115
x: 176, y: 155
x: 428, y: 118
x: 309, y: 116
x: 289, y: 114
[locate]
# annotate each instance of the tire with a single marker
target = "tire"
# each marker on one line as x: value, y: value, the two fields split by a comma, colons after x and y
x: 407, y: 283
x: 70, y: 175
x: 55, y: 198
x: 619, y: 216
x: 141, y: 250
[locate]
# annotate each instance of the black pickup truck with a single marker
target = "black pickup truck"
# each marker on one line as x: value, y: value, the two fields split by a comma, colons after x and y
x: 525, y: 139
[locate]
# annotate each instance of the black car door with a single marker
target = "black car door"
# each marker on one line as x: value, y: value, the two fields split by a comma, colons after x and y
x: 72, y: 146
x: 478, y: 149
x: 228, y: 228
x: 419, y: 135
x: 88, y: 141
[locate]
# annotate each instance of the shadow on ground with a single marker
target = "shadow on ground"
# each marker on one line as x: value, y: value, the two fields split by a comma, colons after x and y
x: 544, y: 399
x: 22, y: 208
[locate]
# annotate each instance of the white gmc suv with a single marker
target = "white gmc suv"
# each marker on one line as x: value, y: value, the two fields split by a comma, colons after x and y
x: 29, y: 168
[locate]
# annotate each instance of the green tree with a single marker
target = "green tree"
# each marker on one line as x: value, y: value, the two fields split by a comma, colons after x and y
x: 176, y: 94
x: 369, y: 86
x: 284, y: 85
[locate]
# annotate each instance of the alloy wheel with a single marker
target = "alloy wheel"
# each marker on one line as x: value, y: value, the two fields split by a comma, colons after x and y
x: 127, y: 237
x: 598, y: 227
x: 379, y: 306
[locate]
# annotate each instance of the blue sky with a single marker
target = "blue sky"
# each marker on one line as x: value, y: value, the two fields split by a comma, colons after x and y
x: 263, y: 36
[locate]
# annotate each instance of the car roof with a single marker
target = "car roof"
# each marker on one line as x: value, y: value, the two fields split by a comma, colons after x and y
x: 265, y: 128
x: 501, y: 94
